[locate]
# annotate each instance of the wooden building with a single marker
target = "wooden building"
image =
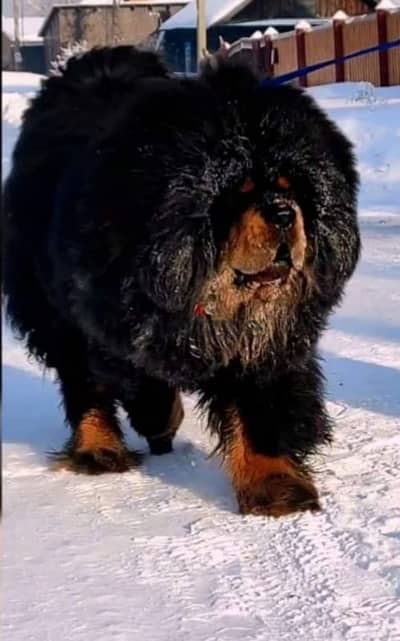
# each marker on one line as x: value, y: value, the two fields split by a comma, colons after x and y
x: 303, y: 8
x: 101, y: 22
x: 262, y: 9
x: 328, y: 8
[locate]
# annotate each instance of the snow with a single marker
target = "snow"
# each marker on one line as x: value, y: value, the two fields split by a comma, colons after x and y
x: 388, y: 4
x: 370, y: 117
x: 271, y: 32
x: 303, y: 25
x: 341, y: 15
x: 159, y: 554
x: 12, y: 80
x: 18, y: 87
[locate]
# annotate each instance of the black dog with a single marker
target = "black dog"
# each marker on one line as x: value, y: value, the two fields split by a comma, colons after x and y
x: 169, y: 234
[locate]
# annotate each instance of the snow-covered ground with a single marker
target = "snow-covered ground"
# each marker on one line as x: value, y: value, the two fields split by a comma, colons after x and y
x: 160, y: 554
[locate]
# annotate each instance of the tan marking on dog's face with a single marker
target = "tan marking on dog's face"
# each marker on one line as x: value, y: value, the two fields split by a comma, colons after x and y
x: 252, y: 243
x: 297, y: 241
x: 251, y: 248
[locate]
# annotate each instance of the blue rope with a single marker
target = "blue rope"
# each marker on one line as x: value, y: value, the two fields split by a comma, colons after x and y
x: 299, y: 73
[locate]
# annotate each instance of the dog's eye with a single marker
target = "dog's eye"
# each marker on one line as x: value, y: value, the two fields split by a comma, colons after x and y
x: 283, y: 183
x: 247, y: 186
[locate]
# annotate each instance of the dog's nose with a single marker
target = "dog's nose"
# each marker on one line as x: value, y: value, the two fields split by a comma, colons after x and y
x: 281, y: 217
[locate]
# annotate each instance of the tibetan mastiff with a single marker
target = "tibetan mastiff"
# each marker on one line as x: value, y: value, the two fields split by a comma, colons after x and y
x: 169, y: 234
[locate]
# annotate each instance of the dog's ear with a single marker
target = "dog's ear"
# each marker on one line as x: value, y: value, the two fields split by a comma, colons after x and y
x: 228, y: 78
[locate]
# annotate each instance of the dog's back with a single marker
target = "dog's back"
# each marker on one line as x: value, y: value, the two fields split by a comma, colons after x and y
x: 68, y: 112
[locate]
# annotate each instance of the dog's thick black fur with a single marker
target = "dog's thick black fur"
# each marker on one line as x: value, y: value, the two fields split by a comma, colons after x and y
x: 168, y: 234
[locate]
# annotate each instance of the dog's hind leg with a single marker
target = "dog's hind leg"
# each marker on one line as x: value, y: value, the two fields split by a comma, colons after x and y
x: 156, y: 413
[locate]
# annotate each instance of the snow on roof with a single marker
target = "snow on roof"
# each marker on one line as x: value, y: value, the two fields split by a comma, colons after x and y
x: 160, y: 3
x: 153, y: 3
x: 96, y: 2
x: 388, y: 4
x: 279, y: 22
x: 29, y: 28
x: 139, y: 3
x: 216, y: 11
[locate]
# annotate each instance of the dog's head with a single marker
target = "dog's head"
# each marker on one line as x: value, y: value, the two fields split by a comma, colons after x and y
x: 246, y: 229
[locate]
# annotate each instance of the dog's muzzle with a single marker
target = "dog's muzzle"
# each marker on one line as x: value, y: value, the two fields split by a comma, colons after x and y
x: 262, y: 249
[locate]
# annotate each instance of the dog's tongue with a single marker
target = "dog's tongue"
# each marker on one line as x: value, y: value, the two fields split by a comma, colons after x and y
x: 272, y: 273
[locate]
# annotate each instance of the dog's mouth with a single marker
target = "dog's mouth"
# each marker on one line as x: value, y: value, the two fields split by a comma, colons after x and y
x: 261, y: 266
x: 274, y: 274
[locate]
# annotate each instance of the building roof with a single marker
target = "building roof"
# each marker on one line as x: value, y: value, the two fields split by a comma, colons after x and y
x: 29, y: 29
x: 277, y: 22
x: 216, y: 11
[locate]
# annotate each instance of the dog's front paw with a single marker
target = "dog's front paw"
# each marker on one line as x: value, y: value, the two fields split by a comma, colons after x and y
x: 96, y: 446
x: 96, y: 461
x: 279, y: 495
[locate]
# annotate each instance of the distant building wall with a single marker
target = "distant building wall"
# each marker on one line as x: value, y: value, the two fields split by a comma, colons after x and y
x: 328, y: 8
x: 7, y: 62
x: 100, y: 25
x: 52, y: 39
x: 278, y: 9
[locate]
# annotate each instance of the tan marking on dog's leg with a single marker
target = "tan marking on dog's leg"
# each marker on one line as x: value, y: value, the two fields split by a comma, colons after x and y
x: 270, y: 486
x: 95, y: 432
x: 97, y: 446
